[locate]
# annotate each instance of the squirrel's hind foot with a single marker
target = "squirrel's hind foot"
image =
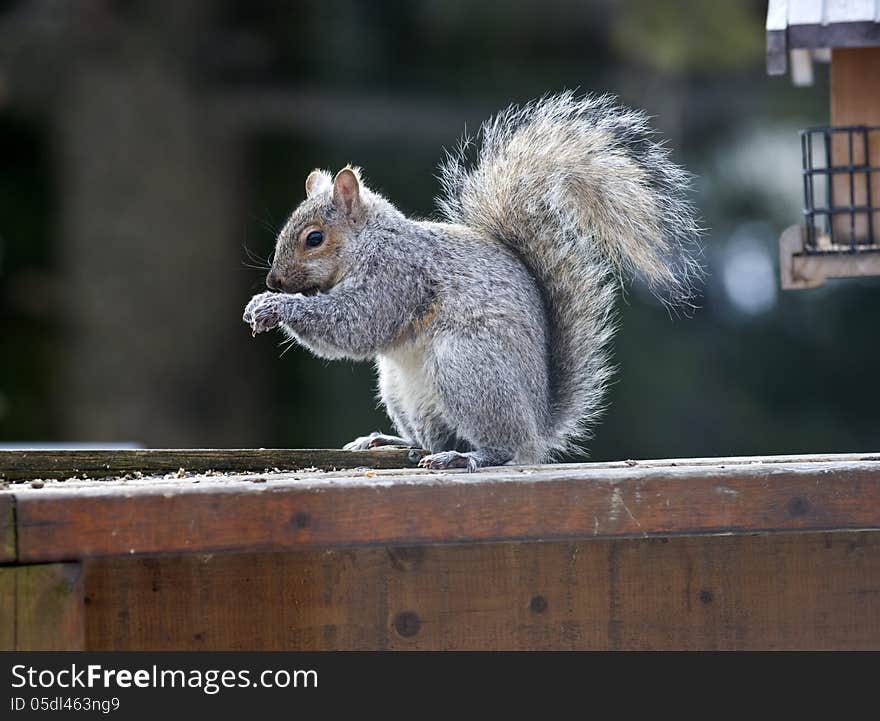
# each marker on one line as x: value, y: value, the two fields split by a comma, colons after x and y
x: 449, y: 459
x: 472, y: 460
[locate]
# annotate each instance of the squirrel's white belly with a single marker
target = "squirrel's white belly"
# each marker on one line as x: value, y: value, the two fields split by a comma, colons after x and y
x: 406, y: 384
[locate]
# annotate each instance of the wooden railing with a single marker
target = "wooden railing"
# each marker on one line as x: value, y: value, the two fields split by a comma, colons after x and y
x: 260, y: 549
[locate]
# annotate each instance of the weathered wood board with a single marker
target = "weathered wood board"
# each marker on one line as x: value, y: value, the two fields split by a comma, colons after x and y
x: 25, y: 465
x: 41, y: 607
x: 284, y: 512
x: 779, y: 552
x: 7, y: 527
x: 801, y: 591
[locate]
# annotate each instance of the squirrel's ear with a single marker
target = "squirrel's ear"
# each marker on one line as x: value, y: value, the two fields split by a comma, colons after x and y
x: 317, y: 182
x: 347, y: 190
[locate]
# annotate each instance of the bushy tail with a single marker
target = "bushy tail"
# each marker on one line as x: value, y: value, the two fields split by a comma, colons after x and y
x: 580, y: 190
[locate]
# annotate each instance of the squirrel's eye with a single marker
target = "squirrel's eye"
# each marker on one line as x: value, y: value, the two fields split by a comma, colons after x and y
x: 314, y: 239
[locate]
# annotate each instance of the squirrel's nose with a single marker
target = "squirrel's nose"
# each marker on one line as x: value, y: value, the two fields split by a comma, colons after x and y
x: 273, y: 280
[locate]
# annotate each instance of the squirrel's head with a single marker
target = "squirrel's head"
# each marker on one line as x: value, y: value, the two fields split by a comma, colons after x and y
x: 310, y: 253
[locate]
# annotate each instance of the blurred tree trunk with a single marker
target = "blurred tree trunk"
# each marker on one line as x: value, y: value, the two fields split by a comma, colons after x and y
x: 152, y: 243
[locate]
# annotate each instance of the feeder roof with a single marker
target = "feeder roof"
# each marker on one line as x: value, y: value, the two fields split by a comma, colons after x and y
x: 818, y: 25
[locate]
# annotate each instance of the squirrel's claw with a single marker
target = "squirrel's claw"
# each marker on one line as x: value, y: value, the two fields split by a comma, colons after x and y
x: 262, y: 313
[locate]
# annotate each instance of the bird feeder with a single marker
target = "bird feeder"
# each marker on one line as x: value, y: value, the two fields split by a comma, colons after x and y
x: 840, y: 235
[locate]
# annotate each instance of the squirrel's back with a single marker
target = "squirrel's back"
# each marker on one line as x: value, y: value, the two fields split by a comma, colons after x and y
x: 581, y: 192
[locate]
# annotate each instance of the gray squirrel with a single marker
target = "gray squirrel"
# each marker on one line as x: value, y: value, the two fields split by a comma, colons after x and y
x: 490, y: 330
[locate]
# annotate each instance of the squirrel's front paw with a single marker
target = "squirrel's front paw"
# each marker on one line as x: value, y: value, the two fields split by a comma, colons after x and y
x: 361, y: 443
x: 263, y: 312
x: 374, y: 440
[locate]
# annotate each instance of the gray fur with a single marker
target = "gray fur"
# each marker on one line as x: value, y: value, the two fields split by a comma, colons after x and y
x: 490, y: 332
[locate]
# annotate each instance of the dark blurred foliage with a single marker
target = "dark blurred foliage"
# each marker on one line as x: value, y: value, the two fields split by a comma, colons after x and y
x: 234, y: 102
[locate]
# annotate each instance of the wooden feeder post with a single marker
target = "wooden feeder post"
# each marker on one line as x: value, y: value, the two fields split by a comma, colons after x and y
x: 855, y: 100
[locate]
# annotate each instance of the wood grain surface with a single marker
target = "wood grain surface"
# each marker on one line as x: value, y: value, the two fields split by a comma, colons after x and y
x: 7, y: 527
x: 26, y: 465
x: 799, y: 591
x: 42, y: 607
x: 284, y: 511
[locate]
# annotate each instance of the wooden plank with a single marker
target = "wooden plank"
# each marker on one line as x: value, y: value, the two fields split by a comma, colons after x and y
x: 798, y: 270
x: 777, y: 37
x: 855, y: 100
x: 42, y: 607
x: 92, y: 466
x: 7, y: 527
x: 25, y: 465
x: 562, y: 502
x: 801, y: 591
x: 7, y: 609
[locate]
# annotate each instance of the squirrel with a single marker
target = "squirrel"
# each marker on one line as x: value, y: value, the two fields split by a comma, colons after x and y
x: 490, y: 330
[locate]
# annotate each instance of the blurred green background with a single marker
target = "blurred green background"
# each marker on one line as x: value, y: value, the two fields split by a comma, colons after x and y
x: 149, y: 149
